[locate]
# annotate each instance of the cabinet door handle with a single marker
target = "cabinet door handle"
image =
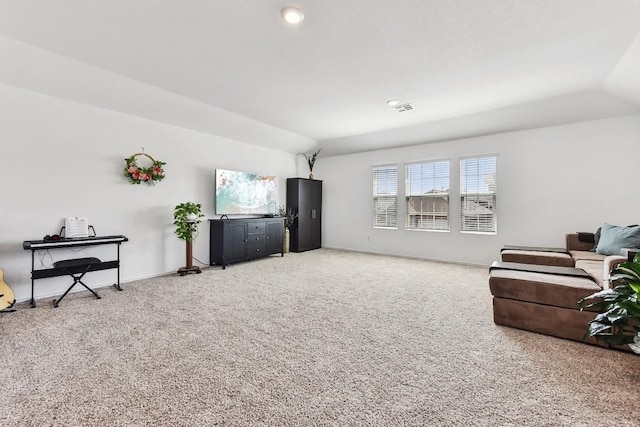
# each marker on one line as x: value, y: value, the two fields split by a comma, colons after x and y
x: 246, y: 240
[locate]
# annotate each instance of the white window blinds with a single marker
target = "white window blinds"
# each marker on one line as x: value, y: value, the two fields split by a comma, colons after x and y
x: 385, y: 196
x: 478, y: 194
x: 427, y: 195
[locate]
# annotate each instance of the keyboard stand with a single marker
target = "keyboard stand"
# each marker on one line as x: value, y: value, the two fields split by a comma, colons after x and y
x: 76, y: 268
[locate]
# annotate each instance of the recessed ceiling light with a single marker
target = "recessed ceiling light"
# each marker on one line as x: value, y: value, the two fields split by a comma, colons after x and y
x: 392, y: 102
x: 292, y: 15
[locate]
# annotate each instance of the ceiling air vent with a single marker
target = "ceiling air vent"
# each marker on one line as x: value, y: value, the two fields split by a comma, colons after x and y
x: 403, y: 107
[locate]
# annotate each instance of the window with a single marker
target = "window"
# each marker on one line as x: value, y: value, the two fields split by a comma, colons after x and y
x: 478, y: 194
x: 427, y: 195
x: 385, y: 196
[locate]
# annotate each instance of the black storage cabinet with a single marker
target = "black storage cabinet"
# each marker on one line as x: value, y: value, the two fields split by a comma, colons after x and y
x: 304, y: 196
x: 243, y: 239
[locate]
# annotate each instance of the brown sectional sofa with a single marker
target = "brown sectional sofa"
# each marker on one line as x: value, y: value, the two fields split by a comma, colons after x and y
x: 577, y: 253
x: 538, y: 289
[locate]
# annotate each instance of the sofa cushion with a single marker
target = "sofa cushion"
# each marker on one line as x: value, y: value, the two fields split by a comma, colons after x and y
x: 586, y: 255
x: 613, y: 238
x: 536, y: 257
x: 573, y: 242
x: 541, y: 288
x: 595, y: 269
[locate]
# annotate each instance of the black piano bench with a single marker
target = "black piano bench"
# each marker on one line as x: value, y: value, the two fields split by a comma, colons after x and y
x: 75, y: 268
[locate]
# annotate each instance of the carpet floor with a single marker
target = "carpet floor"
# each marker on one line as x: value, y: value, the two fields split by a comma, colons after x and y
x: 321, y: 338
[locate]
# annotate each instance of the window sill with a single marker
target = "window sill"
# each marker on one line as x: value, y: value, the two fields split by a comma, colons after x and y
x: 428, y: 230
x: 483, y: 233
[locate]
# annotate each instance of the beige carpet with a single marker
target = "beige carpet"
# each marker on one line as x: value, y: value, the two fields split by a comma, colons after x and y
x: 322, y: 338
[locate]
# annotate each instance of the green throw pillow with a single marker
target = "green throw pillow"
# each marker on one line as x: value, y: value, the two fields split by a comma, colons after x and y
x: 613, y: 238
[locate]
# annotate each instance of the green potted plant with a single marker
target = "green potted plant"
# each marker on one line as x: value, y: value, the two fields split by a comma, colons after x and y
x: 186, y: 217
x: 289, y: 216
x: 618, y: 322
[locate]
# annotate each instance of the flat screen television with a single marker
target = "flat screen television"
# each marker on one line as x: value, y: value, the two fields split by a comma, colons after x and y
x: 244, y: 193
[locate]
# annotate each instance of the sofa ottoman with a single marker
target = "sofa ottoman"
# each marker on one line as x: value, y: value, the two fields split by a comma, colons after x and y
x: 542, y: 300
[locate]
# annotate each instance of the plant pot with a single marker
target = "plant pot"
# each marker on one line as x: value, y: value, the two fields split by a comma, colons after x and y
x: 192, y: 217
x: 635, y: 346
x: 285, y: 241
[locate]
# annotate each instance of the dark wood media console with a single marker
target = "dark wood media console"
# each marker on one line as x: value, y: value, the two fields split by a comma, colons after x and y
x: 244, y: 239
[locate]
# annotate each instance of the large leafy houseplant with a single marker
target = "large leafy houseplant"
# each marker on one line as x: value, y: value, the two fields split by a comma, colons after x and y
x: 618, y: 322
x: 186, y: 217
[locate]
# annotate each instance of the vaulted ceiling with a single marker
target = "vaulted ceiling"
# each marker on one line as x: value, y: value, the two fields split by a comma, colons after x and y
x: 233, y: 68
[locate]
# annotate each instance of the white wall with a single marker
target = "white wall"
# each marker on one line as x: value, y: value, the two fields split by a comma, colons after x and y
x: 60, y: 158
x: 550, y: 181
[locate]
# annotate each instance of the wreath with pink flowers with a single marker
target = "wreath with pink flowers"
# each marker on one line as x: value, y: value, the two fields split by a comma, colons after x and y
x: 137, y: 174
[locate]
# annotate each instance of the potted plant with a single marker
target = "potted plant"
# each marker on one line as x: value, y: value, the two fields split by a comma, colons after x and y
x: 619, y: 320
x: 289, y: 216
x: 186, y: 217
x: 311, y: 160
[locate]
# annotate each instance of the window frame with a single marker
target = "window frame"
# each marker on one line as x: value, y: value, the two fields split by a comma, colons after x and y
x: 492, y: 194
x: 408, y: 195
x: 376, y: 195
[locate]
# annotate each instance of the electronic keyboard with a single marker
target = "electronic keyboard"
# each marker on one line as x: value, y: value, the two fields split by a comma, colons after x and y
x: 73, y: 241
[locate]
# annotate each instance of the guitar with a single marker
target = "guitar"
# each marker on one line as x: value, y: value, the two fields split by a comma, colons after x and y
x: 7, y: 299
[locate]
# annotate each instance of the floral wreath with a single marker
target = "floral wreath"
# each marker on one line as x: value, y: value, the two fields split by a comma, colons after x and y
x: 136, y: 174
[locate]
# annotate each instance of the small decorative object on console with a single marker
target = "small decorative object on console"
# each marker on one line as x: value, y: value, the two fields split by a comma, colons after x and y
x: 288, y: 214
x: 138, y: 174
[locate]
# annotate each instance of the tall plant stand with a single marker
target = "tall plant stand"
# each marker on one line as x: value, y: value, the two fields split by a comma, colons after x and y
x: 190, y: 268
